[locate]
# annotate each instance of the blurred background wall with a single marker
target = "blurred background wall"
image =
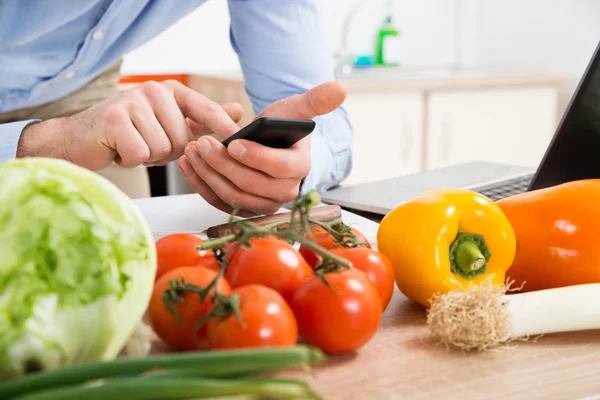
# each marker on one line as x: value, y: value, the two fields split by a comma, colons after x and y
x: 493, y: 73
x: 551, y: 35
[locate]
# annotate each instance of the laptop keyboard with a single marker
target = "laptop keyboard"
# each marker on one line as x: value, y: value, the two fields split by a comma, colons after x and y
x: 507, y: 188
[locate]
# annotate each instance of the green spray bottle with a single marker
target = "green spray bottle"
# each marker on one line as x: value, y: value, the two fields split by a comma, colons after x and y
x: 387, y: 42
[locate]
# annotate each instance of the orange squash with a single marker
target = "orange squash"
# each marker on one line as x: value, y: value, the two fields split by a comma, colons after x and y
x: 558, y: 235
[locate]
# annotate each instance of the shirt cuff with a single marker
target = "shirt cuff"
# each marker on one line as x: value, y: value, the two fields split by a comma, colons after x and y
x: 330, y: 153
x: 9, y: 138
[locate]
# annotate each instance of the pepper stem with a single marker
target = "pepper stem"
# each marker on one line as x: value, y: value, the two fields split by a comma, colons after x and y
x: 469, y: 255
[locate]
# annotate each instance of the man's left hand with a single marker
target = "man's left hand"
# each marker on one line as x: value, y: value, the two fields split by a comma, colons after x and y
x: 257, y: 179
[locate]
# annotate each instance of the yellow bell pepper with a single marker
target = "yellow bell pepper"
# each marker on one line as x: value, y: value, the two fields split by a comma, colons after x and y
x: 444, y: 240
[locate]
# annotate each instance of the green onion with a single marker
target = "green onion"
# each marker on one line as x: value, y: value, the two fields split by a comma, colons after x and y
x: 190, y: 373
x: 207, y: 364
x: 178, y: 388
x: 234, y: 397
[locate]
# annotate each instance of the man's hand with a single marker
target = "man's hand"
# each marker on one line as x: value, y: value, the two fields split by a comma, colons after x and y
x: 258, y: 179
x: 148, y: 125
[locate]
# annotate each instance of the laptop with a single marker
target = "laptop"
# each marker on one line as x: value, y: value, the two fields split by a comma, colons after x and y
x: 573, y: 153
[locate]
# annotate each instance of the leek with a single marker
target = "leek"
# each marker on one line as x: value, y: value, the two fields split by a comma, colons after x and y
x: 486, y: 316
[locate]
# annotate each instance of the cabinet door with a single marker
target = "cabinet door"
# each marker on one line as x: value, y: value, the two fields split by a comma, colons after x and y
x: 512, y: 126
x: 387, y: 135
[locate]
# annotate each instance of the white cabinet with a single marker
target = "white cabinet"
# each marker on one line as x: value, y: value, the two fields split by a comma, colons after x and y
x: 387, y: 134
x: 506, y: 125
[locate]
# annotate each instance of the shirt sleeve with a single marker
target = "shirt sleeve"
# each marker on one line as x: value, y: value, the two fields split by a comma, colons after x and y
x: 282, y: 52
x: 9, y: 138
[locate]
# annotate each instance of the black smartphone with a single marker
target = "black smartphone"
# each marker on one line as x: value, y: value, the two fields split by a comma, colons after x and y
x: 280, y: 133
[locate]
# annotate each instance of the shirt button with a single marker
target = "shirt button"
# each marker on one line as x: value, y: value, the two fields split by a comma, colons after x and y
x: 98, y: 35
x: 70, y: 74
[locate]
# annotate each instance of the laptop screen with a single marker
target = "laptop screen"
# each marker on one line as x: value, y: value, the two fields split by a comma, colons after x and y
x: 574, y: 152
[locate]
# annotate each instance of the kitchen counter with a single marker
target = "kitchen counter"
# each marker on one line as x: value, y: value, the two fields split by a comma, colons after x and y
x: 390, y: 79
x: 401, y: 362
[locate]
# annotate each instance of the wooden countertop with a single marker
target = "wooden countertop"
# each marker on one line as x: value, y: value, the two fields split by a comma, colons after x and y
x: 401, y: 362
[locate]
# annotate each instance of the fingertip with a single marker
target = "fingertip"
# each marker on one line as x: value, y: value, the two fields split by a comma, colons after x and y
x: 237, y: 148
x: 337, y: 86
x: 235, y: 111
x: 184, y: 164
x: 220, y: 136
x: 211, y: 138
x: 326, y: 97
x: 189, y: 148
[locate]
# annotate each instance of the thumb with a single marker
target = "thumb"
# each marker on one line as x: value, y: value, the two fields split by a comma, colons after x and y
x: 320, y: 100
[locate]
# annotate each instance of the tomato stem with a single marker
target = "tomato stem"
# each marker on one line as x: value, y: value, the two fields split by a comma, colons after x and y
x: 340, y: 231
x: 285, y: 234
x: 328, y: 258
x: 223, y: 306
x: 174, y: 295
x: 217, y: 243
x: 321, y: 274
x: 299, y: 227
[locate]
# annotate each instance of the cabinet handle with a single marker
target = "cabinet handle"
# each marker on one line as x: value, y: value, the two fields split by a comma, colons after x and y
x: 407, y: 140
x: 446, y: 139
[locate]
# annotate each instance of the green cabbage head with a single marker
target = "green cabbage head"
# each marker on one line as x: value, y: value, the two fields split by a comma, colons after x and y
x: 77, y: 266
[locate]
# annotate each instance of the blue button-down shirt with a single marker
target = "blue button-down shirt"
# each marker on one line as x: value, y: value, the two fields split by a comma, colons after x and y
x: 49, y: 49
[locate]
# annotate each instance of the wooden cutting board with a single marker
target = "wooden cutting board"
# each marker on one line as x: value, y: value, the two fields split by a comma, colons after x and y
x: 401, y: 362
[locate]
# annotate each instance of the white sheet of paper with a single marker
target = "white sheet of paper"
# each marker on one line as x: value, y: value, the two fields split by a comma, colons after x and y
x: 190, y: 213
